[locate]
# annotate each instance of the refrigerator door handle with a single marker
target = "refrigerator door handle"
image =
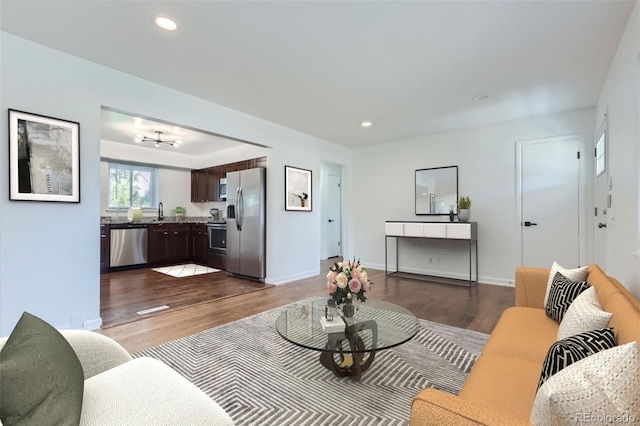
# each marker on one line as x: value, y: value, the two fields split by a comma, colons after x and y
x: 240, y: 205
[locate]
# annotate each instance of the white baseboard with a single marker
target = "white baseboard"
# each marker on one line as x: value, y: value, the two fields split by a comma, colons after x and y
x: 506, y: 282
x: 93, y: 324
x: 288, y: 278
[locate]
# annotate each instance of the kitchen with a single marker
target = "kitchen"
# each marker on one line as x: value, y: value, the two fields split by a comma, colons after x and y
x: 180, y: 178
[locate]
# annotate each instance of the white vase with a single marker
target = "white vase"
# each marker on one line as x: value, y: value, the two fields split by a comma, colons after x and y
x: 464, y: 215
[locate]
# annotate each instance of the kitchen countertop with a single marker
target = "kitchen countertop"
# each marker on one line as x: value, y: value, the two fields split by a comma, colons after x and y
x: 149, y: 220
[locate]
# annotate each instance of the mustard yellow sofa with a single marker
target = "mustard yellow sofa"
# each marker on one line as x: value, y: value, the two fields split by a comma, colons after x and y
x: 501, y: 386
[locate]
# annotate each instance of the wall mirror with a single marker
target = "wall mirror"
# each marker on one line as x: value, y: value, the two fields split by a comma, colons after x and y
x: 436, y: 190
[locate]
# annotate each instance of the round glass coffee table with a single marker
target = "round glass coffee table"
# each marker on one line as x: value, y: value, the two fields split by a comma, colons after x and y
x: 376, y: 326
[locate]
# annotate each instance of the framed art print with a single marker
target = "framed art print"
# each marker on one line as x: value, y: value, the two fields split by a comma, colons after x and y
x: 297, y: 189
x: 44, y: 158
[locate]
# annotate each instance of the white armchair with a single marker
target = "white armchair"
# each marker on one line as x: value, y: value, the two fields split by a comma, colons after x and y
x: 120, y: 390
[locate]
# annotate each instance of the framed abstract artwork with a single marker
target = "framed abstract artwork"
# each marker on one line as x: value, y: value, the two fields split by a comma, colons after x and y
x: 297, y: 189
x: 44, y: 158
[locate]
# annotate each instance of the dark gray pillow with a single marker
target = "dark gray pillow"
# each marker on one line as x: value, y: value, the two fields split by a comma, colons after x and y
x: 42, y: 378
x: 563, y: 291
x: 572, y: 349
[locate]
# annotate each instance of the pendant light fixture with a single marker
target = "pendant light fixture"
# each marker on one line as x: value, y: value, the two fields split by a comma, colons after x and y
x: 158, y: 140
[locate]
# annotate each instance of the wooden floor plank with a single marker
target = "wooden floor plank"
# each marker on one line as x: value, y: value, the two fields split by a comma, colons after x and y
x: 476, y: 308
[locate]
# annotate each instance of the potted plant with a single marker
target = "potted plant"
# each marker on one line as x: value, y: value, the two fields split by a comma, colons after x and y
x: 464, y: 208
x: 179, y: 212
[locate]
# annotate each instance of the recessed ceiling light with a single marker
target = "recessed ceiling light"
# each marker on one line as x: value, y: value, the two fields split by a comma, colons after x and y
x: 166, y: 23
x: 480, y: 97
x: 366, y: 124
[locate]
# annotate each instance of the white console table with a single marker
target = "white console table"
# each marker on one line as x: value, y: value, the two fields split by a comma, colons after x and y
x: 461, y: 231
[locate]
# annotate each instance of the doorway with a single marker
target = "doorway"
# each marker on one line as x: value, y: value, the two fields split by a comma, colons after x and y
x: 331, y: 217
x: 603, y: 185
x: 549, y: 201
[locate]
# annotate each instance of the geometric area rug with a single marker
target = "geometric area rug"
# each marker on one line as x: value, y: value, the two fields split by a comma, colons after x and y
x: 258, y: 378
x: 187, y: 270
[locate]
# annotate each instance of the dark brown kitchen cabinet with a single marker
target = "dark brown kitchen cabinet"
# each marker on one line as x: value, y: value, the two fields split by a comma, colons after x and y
x: 179, y: 242
x: 169, y: 243
x: 213, y: 184
x: 198, y: 186
x: 199, y: 243
x: 105, y: 247
x: 205, y: 183
x: 158, y: 240
x: 228, y: 168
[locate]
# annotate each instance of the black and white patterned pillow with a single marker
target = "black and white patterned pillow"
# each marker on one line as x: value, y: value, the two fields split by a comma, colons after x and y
x: 563, y: 291
x: 572, y: 349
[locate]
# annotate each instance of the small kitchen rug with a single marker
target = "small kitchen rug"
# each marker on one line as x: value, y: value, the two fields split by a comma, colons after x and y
x: 187, y: 270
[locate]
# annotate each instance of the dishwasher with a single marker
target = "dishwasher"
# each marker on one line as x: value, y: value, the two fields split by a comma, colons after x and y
x: 128, y: 245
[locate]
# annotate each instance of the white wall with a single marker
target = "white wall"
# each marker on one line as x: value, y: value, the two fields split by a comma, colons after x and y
x: 620, y: 98
x: 49, y: 252
x: 383, y: 180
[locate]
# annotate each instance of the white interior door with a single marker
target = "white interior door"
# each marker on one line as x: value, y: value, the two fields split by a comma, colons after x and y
x: 601, y: 196
x: 550, y: 202
x: 333, y: 217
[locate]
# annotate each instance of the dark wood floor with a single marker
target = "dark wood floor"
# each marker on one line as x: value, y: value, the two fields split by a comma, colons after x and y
x: 124, y: 293
x: 476, y: 308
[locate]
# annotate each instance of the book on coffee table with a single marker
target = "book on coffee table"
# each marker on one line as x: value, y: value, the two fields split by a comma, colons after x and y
x: 335, y: 326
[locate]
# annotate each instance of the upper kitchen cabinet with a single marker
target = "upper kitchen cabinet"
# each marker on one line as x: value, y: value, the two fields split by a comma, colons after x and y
x: 213, y: 184
x: 228, y: 168
x: 205, y: 183
x: 198, y: 186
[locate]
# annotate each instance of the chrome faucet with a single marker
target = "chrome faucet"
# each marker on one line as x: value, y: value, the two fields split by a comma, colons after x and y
x: 160, y: 212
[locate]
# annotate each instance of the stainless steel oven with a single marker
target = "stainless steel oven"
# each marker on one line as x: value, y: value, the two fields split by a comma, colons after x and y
x: 217, y: 256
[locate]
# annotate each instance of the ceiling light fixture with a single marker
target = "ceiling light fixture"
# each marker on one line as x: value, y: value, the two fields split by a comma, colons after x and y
x: 366, y: 124
x: 157, y: 141
x: 166, y: 23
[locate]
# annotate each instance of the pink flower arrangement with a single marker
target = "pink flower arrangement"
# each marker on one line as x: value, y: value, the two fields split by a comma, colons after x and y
x: 348, y: 281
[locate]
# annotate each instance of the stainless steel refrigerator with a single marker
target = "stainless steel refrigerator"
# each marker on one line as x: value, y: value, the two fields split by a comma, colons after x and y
x: 246, y: 222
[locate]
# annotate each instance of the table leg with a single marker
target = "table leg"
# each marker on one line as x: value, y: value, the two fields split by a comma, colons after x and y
x: 357, y: 352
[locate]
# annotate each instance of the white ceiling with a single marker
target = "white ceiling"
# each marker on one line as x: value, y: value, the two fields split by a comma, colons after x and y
x: 123, y: 128
x: 321, y: 67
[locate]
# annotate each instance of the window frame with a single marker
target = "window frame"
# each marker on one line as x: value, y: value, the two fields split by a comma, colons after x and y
x: 134, y: 167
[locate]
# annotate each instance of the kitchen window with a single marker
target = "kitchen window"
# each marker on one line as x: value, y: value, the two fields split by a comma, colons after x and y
x: 132, y: 185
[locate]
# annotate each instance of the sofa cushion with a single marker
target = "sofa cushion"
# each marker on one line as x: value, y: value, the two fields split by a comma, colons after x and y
x: 502, y: 383
x: 572, y: 349
x: 146, y: 391
x: 42, y: 379
x: 584, y: 314
x: 577, y: 274
x: 562, y: 293
x: 525, y: 333
x: 603, y: 384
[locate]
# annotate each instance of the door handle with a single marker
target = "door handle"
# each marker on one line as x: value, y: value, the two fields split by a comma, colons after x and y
x: 331, y: 220
x: 602, y: 225
x: 527, y: 223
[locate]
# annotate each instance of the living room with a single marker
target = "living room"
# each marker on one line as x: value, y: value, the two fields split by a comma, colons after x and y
x: 294, y: 255
x: 49, y: 251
